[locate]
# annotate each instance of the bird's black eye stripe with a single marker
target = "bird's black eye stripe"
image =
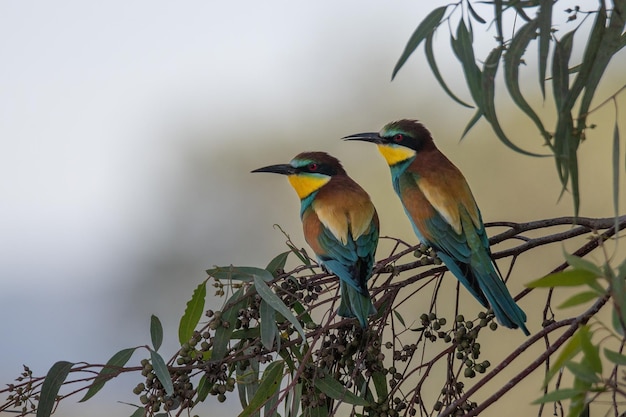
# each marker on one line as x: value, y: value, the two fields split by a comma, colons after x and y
x: 318, y: 168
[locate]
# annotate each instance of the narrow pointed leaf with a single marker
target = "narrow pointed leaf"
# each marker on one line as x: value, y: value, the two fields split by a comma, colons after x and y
x: 591, y: 351
x: 109, y: 371
x: 239, y: 273
x: 580, y: 298
x: 475, y: 15
x: 512, y: 63
x: 616, y: 171
x: 592, y: 48
x: 615, y: 357
x: 497, y: 5
x: 278, y: 263
x: 247, y: 380
x: 156, y: 332
x: 571, y: 349
x: 229, y: 314
x: 203, y: 390
x: 464, y: 51
x: 430, y: 58
x: 426, y: 27
x: 558, y: 395
x: 292, y: 405
x: 50, y: 387
x: 583, y: 372
x: 544, y: 19
x: 269, y: 331
x: 380, y: 384
x: 570, y: 278
x: 399, y: 317
x: 577, y: 262
x: 193, y: 313
x: 336, y: 390
x: 270, y: 383
x: 277, y: 304
x: 139, y: 412
x: 161, y: 372
x: 471, y: 123
x: 615, y: 321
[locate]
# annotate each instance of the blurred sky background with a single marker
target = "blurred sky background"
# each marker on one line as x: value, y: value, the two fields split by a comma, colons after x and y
x: 128, y: 131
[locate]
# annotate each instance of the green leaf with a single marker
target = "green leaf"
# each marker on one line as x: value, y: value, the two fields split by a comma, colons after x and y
x: 512, y: 62
x: 269, y: 331
x: 229, y: 315
x: 380, y: 385
x: 277, y: 304
x: 426, y: 27
x: 472, y: 122
x: 109, y: 371
x: 336, y: 390
x: 475, y: 15
x: 580, y: 298
x: 270, y: 383
x: 571, y: 349
x: 239, y: 273
x: 464, y: 51
x: 616, y: 171
x: 583, y: 372
x: 247, y: 380
x: 615, y: 321
x: 558, y: 395
x: 399, y: 317
x: 569, y: 278
x: 319, y: 411
x: 50, y: 387
x: 203, y: 390
x: 615, y: 357
x: 292, y: 404
x: 193, y: 313
x: 278, y: 263
x: 430, y: 58
x: 156, y: 332
x: 544, y: 19
x: 139, y: 412
x: 161, y: 372
x: 577, y: 262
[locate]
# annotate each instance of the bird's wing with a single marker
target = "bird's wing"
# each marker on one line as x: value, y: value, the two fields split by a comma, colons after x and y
x: 441, y: 226
x: 351, y: 260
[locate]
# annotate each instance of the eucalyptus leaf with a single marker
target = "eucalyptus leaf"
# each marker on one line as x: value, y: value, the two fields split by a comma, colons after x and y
x: 615, y: 357
x: 334, y: 389
x: 229, y: 315
x: 109, y: 371
x: 278, y: 263
x: 239, y: 273
x: 270, y: 383
x: 558, y: 395
x: 277, y: 304
x: 156, y: 332
x: 161, y: 372
x: 50, y: 387
x: 426, y: 27
x: 193, y: 313
x: 569, y: 278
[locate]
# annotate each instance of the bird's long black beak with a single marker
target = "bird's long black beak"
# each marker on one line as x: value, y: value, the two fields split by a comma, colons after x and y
x: 372, y: 137
x: 284, y: 169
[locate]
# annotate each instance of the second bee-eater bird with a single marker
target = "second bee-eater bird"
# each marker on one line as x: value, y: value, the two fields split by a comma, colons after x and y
x: 444, y: 214
x: 340, y: 224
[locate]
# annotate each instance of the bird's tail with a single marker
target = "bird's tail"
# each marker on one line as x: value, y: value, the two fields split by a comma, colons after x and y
x: 355, y: 304
x: 504, y: 307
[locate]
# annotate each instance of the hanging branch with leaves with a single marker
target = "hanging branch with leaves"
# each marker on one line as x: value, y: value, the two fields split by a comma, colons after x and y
x: 572, y: 98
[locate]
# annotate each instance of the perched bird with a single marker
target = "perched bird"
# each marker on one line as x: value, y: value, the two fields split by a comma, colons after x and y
x: 340, y: 224
x: 444, y: 214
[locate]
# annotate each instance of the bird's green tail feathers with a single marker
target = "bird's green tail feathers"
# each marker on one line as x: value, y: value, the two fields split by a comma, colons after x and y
x: 355, y: 304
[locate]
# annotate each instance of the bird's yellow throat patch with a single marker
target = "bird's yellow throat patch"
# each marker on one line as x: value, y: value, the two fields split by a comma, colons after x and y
x: 305, y: 184
x: 395, y: 154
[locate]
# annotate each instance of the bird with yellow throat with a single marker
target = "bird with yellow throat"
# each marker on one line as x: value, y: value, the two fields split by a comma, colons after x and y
x: 443, y: 213
x: 340, y: 224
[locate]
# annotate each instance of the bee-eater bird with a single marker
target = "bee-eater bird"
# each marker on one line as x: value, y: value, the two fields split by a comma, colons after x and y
x: 444, y: 214
x: 340, y: 224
